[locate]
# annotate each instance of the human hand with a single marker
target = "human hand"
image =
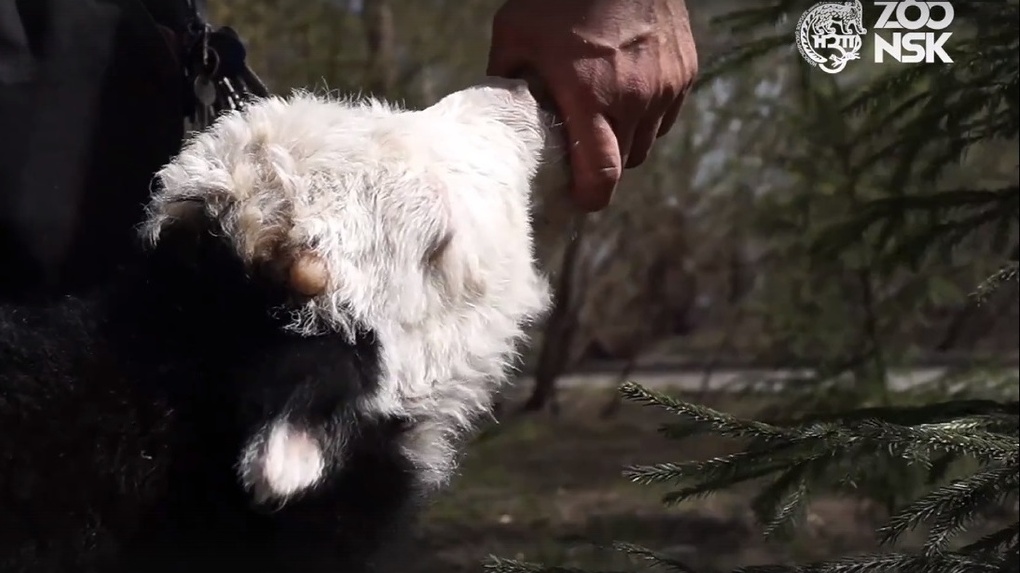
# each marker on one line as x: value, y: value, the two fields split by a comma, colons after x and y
x: 617, y: 70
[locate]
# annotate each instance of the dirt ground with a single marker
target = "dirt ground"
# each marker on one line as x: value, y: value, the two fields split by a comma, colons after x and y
x: 550, y: 490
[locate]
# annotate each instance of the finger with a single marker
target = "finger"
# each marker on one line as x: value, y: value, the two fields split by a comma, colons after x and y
x: 624, y: 138
x: 505, y: 57
x: 594, y: 150
x: 504, y: 62
x: 669, y: 118
x: 594, y: 158
x: 644, y: 137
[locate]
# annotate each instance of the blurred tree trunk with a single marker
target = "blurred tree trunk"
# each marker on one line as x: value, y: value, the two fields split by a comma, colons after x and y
x: 380, y: 37
x: 612, y: 407
x: 560, y: 329
x: 428, y: 92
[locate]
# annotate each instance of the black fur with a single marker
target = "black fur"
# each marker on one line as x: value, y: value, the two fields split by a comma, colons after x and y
x: 124, y: 412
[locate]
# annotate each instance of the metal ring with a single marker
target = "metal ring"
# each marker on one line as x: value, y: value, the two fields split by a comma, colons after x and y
x: 214, y: 56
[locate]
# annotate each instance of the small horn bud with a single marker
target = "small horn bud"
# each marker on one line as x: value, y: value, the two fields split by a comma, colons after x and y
x: 308, y: 275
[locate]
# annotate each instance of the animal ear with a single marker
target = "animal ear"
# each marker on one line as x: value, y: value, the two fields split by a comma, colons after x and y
x: 185, y: 193
x: 493, y: 93
x: 454, y: 264
x: 509, y: 101
x: 175, y: 219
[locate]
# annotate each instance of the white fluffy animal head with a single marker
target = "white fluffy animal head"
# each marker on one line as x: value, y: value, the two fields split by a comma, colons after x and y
x: 414, y: 225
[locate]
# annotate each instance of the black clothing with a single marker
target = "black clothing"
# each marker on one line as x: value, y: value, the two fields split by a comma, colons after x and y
x: 92, y: 102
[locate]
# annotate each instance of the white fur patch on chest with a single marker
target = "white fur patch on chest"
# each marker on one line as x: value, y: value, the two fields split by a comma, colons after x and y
x: 288, y: 461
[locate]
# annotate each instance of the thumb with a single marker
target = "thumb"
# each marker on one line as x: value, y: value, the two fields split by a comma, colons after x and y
x: 594, y: 158
x: 505, y: 58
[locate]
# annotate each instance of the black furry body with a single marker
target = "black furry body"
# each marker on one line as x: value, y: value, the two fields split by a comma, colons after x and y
x: 123, y: 414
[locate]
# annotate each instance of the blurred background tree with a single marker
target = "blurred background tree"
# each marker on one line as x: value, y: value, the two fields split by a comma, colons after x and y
x: 829, y: 227
x: 875, y: 232
x: 702, y: 260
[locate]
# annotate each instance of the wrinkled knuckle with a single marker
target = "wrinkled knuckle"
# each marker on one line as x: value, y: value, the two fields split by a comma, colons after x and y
x: 637, y: 92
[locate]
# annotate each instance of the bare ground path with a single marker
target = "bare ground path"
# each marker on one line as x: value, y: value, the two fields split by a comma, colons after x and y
x: 691, y: 380
x: 545, y: 488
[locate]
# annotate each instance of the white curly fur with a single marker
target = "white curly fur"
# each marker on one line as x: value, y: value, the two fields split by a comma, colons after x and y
x: 423, y: 219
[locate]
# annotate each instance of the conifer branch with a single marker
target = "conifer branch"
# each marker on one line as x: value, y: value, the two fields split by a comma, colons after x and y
x: 656, y: 559
x: 909, y: 125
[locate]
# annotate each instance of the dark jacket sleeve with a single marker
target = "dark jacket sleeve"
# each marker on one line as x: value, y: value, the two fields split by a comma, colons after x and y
x: 91, y: 96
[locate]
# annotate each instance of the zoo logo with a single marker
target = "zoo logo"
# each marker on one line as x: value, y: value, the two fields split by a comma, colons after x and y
x: 835, y: 29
